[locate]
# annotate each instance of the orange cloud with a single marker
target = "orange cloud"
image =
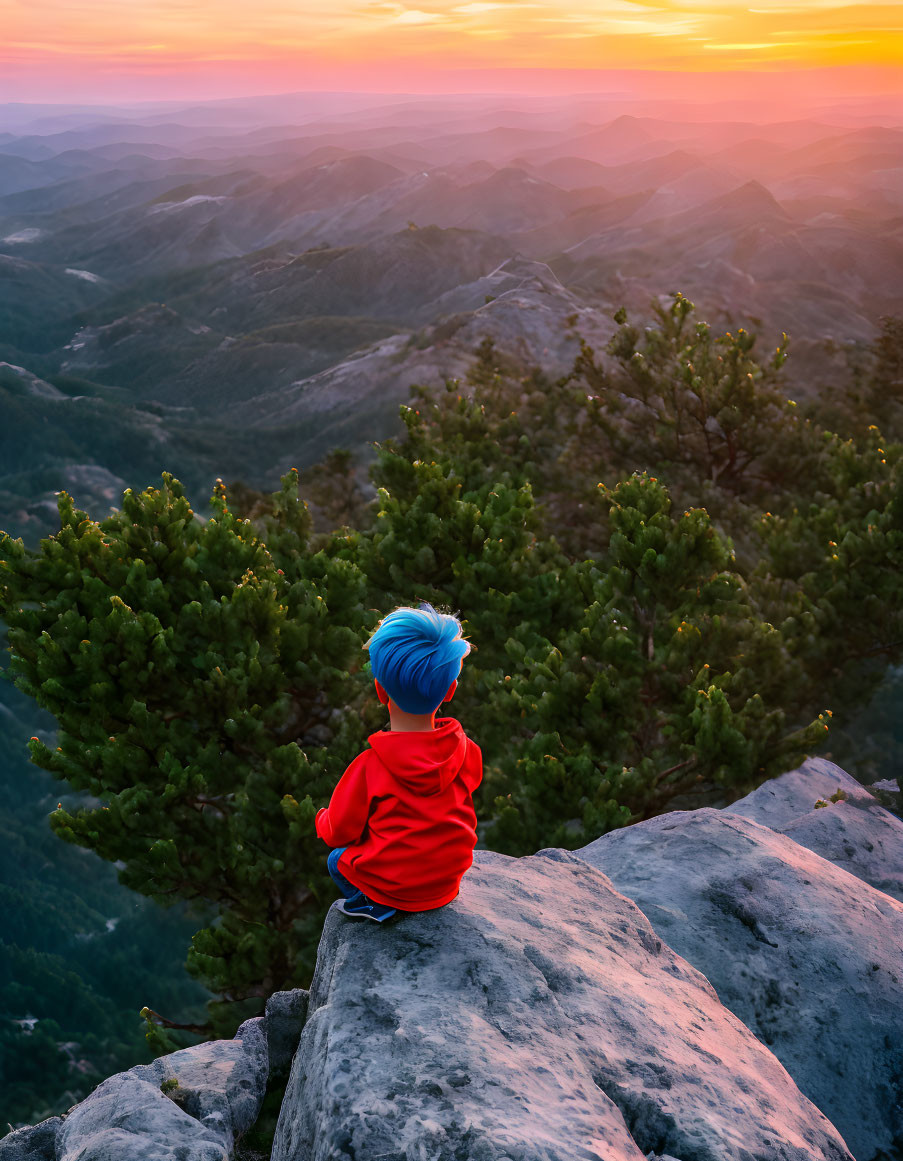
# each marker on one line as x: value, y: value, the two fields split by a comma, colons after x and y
x: 344, y: 42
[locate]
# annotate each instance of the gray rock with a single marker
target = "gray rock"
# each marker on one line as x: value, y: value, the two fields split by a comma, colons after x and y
x: 805, y: 954
x: 128, y: 1118
x: 779, y: 801
x: 220, y: 1083
x: 537, y: 1016
x: 855, y: 833
x: 285, y: 1015
x: 255, y: 1042
x: 32, y: 1143
x: 213, y: 1094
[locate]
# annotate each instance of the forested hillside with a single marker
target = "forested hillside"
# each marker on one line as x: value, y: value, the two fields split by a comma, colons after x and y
x: 678, y: 582
x: 76, y: 948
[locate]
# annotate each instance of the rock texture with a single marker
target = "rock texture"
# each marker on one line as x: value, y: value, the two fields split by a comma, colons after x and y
x: 130, y: 1117
x: 537, y: 1016
x: 804, y: 953
x: 33, y: 1143
x: 855, y: 833
x: 187, y: 1106
x: 709, y: 985
x: 284, y: 1020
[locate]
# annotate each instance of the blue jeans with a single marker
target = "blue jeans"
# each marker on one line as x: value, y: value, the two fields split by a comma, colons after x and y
x: 332, y: 865
x: 353, y: 894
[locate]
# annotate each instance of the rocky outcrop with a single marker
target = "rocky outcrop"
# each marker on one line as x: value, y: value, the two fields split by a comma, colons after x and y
x: 32, y: 1143
x: 804, y: 953
x: 284, y: 1019
x: 854, y: 832
x: 538, y: 1015
x: 191, y: 1105
x: 702, y: 986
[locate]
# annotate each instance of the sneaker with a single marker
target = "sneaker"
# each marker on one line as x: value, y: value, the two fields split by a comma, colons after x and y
x: 366, y: 909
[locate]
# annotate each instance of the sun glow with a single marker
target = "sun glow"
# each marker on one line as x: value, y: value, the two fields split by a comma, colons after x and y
x: 356, y: 45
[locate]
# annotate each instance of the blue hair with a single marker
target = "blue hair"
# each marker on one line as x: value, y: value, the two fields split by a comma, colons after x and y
x: 415, y: 655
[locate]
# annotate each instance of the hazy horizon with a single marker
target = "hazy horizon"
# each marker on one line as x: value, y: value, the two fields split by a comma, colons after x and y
x: 774, y: 94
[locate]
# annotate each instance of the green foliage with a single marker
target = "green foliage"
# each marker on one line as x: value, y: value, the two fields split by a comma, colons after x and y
x: 695, y: 406
x: 668, y: 678
x: 872, y: 395
x: 79, y: 953
x: 198, y: 680
x: 37, y: 302
x: 813, y: 517
x: 78, y: 979
x: 474, y: 552
x: 501, y: 426
x: 829, y: 571
x: 666, y: 570
x: 40, y: 1069
x: 869, y: 742
x: 839, y: 795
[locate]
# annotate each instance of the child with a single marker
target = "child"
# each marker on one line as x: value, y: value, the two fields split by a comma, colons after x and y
x: 401, y: 819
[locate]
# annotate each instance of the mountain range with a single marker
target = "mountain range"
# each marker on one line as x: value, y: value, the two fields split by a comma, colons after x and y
x: 229, y: 289
x: 226, y: 289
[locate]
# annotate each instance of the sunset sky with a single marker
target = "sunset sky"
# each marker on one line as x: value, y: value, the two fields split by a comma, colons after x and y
x: 121, y: 49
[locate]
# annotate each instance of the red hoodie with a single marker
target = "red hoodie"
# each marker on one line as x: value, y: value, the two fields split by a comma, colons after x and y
x: 404, y: 809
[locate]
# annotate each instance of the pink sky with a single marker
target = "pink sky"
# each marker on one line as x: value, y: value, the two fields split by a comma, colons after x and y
x: 114, y: 50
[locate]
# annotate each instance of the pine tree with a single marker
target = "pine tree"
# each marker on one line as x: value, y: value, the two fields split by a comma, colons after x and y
x: 475, y: 553
x: 830, y: 573
x: 201, y: 682
x: 210, y: 688
x: 503, y: 424
x: 699, y: 410
x: 872, y: 394
x: 711, y: 421
x: 669, y: 680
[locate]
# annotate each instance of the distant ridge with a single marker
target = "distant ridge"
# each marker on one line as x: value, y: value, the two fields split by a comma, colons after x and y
x: 750, y: 198
x: 288, y: 235
x: 615, y: 142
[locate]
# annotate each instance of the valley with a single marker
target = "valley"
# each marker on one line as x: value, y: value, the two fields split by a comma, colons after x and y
x: 232, y: 288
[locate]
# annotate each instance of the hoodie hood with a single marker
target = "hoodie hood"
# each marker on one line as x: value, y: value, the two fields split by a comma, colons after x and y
x: 424, y: 760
